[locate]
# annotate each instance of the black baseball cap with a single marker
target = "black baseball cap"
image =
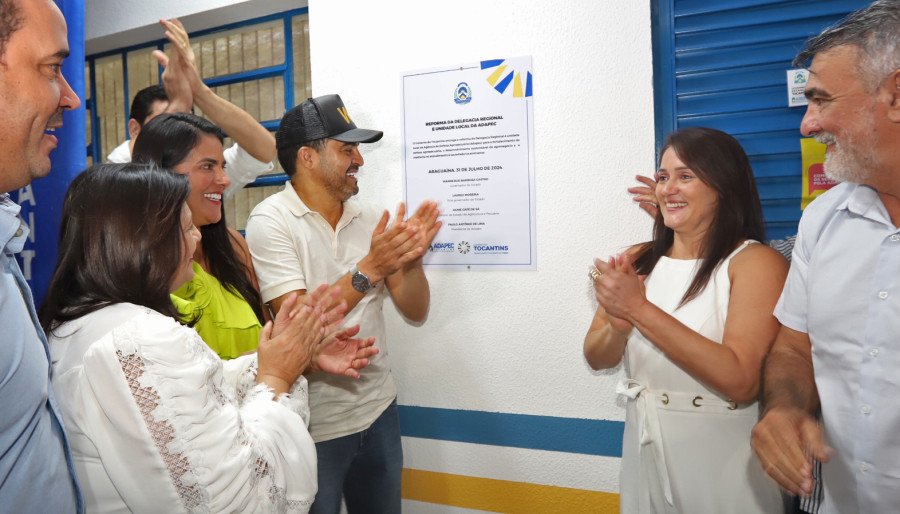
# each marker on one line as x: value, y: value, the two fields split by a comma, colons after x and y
x: 321, y: 117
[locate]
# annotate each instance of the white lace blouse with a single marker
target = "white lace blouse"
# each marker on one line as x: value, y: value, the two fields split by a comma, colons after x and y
x: 158, y: 423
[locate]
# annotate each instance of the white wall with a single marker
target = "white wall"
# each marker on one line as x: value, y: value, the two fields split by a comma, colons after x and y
x: 509, y: 341
x: 494, y: 341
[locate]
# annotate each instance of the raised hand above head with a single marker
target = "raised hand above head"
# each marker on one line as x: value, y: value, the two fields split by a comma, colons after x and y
x: 175, y: 82
x: 236, y: 122
x: 180, y: 47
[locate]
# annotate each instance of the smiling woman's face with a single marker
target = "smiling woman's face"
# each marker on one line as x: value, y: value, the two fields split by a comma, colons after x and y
x: 205, y: 168
x: 687, y: 204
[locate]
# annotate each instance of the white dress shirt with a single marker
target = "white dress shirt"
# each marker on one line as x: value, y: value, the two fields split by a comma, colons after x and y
x: 843, y: 289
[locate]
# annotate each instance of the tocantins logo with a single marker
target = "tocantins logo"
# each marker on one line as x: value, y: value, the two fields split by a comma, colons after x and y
x: 463, y: 247
x: 463, y: 94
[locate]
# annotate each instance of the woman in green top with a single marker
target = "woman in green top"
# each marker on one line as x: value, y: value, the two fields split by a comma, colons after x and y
x: 223, y: 297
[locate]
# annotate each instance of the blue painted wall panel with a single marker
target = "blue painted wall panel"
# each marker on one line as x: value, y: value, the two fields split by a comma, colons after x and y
x: 42, y: 200
x: 759, y: 75
x: 728, y: 60
x: 723, y: 15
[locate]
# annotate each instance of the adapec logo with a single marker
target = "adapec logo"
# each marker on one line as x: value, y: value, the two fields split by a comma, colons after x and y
x: 463, y: 247
x: 442, y: 247
x: 463, y: 94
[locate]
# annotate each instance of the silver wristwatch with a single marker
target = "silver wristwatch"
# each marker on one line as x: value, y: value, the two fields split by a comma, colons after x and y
x: 360, y: 281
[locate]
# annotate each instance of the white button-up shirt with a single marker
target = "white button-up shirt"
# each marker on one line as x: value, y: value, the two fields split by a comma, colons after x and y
x: 842, y: 290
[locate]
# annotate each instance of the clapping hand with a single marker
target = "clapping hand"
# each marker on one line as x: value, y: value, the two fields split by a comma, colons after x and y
x: 341, y: 354
x: 393, y: 246
x: 619, y: 290
x: 426, y: 217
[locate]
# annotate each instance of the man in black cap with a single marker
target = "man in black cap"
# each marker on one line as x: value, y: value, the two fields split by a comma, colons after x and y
x: 312, y: 233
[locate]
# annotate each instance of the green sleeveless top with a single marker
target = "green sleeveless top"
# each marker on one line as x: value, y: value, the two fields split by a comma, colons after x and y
x: 226, y: 322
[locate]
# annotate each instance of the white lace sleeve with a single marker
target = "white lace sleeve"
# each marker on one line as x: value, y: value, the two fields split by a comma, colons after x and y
x: 240, y: 374
x: 174, y: 432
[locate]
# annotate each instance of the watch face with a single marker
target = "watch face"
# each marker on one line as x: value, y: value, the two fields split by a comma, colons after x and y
x: 360, y: 282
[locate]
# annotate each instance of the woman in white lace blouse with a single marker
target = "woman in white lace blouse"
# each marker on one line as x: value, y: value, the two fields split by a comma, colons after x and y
x: 156, y: 422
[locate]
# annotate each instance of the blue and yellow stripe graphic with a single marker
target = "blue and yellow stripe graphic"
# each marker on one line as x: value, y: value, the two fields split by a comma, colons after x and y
x: 500, y: 80
x: 572, y: 435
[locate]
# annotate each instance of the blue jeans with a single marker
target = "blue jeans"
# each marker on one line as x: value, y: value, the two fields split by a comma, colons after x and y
x: 363, y: 467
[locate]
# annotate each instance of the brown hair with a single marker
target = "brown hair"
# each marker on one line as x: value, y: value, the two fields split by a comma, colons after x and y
x: 10, y: 21
x: 167, y: 140
x: 120, y: 241
x: 719, y: 161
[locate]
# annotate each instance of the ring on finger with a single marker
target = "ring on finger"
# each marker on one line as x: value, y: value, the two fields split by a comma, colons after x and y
x: 594, y: 273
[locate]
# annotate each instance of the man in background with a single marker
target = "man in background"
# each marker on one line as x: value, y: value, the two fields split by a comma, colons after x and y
x: 182, y: 89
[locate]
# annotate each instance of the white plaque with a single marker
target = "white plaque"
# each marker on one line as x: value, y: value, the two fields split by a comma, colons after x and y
x: 468, y: 142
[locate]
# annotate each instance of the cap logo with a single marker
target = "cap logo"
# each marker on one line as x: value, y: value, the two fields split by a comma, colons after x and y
x: 344, y: 114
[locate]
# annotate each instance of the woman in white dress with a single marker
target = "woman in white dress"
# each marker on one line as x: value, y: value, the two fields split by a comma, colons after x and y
x: 156, y: 422
x: 691, y: 314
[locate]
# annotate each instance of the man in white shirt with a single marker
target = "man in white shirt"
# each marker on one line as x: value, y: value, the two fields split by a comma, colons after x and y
x: 254, y: 148
x: 838, y: 349
x: 313, y: 233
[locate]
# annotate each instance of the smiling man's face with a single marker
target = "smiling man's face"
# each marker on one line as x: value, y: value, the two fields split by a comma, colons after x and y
x: 842, y: 114
x: 34, y: 93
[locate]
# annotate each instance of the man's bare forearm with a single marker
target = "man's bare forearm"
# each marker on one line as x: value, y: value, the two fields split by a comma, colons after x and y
x: 788, y: 379
x: 237, y: 123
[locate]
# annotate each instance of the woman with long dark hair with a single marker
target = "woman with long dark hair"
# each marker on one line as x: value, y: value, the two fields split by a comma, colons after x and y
x: 223, y: 295
x: 691, y: 314
x: 156, y: 421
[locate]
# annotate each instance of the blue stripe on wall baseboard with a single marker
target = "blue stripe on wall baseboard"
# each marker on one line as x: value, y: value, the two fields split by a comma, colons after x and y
x: 572, y: 435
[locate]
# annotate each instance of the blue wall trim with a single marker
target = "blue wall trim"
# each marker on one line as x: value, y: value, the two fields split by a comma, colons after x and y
x: 572, y: 435
x: 721, y: 64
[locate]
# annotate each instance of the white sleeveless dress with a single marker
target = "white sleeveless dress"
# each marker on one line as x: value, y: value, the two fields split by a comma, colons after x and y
x: 686, y: 449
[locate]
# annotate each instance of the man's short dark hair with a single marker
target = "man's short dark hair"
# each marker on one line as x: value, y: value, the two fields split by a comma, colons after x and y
x: 142, y: 105
x: 287, y: 155
x: 10, y: 21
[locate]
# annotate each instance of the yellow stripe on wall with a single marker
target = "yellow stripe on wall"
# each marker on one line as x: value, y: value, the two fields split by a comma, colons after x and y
x: 502, y: 495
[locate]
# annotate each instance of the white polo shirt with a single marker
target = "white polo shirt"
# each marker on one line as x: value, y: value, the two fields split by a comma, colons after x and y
x: 295, y: 248
x: 843, y: 290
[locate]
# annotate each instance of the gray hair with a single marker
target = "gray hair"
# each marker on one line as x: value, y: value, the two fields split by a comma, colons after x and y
x: 875, y: 31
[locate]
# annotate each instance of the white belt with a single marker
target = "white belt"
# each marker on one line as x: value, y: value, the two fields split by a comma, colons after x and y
x: 648, y: 418
x: 648, y: 421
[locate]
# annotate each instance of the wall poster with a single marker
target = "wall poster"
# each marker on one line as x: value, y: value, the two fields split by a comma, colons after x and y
x: 468, y: 142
